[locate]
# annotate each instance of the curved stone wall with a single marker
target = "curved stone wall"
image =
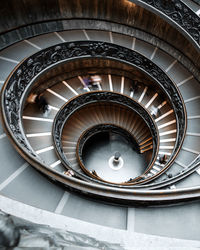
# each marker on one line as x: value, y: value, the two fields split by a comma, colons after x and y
x: 34, y: 18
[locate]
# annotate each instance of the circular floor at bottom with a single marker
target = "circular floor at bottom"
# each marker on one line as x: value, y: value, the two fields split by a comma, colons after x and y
x: 99, y: 155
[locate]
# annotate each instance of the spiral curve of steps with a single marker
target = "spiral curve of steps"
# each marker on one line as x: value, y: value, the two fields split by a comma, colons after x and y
x: 19, y: 181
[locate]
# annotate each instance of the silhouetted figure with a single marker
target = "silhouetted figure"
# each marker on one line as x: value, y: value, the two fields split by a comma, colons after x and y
x: 87, y: 81
x: 135, y: 85
x: 96, y: 81
x: 41, y: 102
x: 116, y: 157
x: 94, y: 173
x: 162, y: 159
x: 155, y: 112
x: 9, y: 233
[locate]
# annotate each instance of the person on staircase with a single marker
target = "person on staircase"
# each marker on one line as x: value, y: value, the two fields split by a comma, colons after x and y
x: 155, y: 112
x: 41, y: 103
x: 134, y: 87
x: 96, y: 82
x: 162, y: 159
x: 87, y: 82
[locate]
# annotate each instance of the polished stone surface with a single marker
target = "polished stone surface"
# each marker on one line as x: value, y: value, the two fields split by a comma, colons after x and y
x: 99, y: 153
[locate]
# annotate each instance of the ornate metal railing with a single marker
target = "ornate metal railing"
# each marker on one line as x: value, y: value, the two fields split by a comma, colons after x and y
x: 99, y: 129
x: 179, y: 13
x: 22, y: 79
x: 175, y: 11
x: 191, y: 168
x: 101, y: 97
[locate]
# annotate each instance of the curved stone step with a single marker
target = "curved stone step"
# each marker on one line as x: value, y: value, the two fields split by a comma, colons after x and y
x: 151, y: 52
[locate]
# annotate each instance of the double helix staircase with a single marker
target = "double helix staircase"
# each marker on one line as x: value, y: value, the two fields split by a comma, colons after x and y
x: 38, y: 129
x: 20, y: 182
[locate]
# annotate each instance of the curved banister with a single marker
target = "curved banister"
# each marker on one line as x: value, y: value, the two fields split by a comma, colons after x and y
x: 174, y: 11
x: 83, y: 100
x: 191, y: 168
x: 178, y: 13
x: 22, y: 79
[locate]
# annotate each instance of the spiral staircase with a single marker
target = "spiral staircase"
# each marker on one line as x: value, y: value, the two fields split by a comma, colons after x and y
x: 53, y: 55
